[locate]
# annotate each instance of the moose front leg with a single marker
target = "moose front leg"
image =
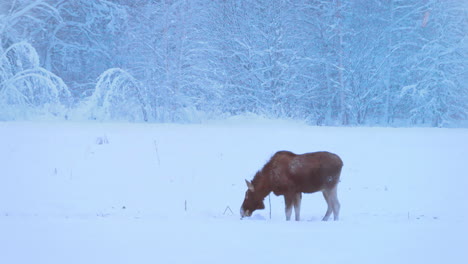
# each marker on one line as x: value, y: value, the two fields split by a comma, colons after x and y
x: 288, y: 202
x: 297, y: 205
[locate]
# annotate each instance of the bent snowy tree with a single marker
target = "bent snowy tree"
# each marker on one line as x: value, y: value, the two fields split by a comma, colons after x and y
x: 291, y: 175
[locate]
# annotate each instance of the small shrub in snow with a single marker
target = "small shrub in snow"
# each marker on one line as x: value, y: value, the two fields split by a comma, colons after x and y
x: 102, y: 140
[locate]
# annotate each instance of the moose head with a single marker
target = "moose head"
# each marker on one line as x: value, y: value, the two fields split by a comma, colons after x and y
x: 252, y: 201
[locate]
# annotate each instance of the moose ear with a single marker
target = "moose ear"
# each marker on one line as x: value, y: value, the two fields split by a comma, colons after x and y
x: 250, y: 186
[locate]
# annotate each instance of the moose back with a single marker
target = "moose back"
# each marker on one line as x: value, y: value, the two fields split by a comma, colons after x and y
x: 290, y: 175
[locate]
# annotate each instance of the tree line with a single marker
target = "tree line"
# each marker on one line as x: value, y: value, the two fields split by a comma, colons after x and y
x: 328, y: 62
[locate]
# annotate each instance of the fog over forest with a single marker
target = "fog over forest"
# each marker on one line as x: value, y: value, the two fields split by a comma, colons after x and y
x: 326, y: 62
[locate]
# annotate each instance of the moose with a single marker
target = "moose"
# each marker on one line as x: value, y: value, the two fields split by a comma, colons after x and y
x: 290, y: 175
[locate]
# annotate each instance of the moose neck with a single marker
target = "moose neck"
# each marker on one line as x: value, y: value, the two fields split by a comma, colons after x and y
x: 261, y: 183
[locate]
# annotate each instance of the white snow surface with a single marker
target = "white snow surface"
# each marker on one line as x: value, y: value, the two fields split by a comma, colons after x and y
x: 167, y: 193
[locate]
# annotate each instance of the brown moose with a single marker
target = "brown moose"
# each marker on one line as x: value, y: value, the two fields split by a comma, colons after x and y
x: 291, y: 175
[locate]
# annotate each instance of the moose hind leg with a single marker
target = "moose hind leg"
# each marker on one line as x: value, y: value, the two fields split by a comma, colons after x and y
x: 297, y: 206
x: 326, y: 195
x: 335, y: 203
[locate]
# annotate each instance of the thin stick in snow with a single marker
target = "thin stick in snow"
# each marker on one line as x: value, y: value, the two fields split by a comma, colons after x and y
x: 228, y: 208
x: 157, y: 153
x: 269, y: 201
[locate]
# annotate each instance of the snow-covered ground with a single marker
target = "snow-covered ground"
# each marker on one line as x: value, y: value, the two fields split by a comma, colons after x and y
x: 166, y: 193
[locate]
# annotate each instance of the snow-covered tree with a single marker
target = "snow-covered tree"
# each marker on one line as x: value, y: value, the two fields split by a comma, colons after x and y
x: 26, y: 89
x: 118, y: 96
x: 84, y: 42
x: 171, y: 53
x: 437, y: 94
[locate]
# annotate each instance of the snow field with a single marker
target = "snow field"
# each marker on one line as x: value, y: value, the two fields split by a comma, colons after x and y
x: 145, y: 193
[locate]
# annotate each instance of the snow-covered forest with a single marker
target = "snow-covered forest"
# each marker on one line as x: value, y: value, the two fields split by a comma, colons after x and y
x: 328, y: 62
